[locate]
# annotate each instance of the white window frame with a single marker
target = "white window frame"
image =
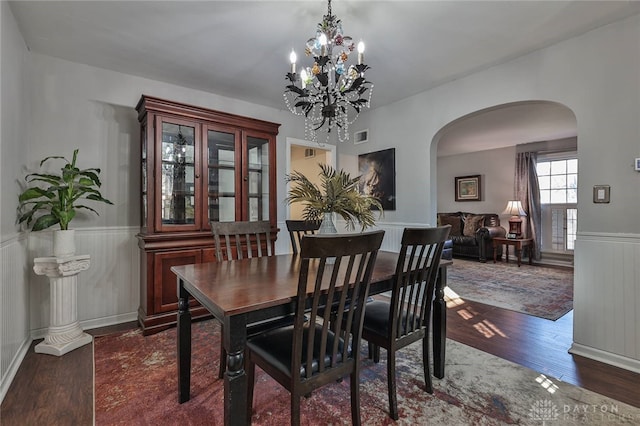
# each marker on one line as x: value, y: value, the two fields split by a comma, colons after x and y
x: 554, y: 240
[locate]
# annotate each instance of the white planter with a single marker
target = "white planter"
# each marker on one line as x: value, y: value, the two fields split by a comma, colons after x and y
x: 64, y: 243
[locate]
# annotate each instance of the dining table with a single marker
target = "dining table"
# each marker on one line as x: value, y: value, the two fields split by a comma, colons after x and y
x: 241, y: 292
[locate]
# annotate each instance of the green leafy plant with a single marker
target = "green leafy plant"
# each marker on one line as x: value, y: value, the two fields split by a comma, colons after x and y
x: 338, y: 193
x: 60, y: 199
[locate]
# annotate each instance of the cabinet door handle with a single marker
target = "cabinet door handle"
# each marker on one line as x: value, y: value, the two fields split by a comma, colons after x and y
x: 197, y: 176
x: 246, y: 178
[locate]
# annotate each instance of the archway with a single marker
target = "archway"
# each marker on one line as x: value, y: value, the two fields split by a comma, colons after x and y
x: 485, y: 143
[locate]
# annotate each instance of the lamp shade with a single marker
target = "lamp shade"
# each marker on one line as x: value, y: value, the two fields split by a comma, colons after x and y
x: 514, y: 208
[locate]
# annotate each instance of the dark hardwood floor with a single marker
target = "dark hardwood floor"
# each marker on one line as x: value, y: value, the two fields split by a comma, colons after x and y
x: 51, y: 390
x: 541, y: 345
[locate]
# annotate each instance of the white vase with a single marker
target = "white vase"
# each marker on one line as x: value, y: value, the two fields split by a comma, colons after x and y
x: 327, y: 226
x: 64, y: 243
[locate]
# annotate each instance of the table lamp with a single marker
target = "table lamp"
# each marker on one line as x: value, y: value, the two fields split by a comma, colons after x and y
x: 514, y: 208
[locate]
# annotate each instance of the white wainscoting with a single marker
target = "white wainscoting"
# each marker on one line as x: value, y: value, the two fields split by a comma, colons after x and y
x: 108, y: 292
x: 607, y: 299
x: 14, y: 308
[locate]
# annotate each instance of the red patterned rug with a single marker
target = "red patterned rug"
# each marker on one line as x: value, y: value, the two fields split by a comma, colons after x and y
x: 136, y: 384
x: 545, y: 292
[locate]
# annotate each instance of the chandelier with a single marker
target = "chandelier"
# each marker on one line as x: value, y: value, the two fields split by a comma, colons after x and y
x: 330, y: 93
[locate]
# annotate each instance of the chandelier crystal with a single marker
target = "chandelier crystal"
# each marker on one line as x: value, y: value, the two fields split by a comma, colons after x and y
x: 330, y: 93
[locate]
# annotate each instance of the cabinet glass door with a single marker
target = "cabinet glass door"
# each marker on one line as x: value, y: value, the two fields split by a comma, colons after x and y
x: 222, y: 168
x: 257, y: 177
x: 177, y: 205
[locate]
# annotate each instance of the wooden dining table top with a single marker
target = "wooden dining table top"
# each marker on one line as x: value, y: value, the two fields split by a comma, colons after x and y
x: 237, y: 287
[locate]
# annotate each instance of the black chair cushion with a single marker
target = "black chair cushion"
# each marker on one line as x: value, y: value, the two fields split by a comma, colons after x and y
x: 256, y: 328
x: 376, y: 318
x: 276, y: 346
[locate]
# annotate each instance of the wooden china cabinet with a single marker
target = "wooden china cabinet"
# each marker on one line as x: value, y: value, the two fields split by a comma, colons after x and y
x: 198, y: 165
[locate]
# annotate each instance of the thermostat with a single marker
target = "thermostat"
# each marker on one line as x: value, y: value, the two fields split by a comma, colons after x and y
x: 637, y: 164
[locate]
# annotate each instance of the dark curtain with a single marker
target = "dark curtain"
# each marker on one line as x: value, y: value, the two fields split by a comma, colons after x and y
x: 528, y: 192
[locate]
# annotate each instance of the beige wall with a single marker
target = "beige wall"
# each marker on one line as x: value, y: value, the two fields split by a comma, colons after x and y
x: 308, y: 167
x: 495, y: 167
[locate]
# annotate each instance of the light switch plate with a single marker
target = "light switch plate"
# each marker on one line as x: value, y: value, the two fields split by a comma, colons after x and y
x: 601, y: 193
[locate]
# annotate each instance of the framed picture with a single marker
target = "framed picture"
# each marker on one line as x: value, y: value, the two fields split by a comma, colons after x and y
x: 468, y: 188
x: 601, y: 193
x: 378, y: 171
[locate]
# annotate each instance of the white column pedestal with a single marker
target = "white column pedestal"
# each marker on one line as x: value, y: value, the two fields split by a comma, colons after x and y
x: 65, y: 333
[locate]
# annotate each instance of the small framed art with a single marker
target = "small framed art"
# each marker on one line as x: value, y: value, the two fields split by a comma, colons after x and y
x: 468, y: 188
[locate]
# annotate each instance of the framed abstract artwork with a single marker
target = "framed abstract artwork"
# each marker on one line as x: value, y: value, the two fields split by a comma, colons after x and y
x: 378, y: 171
x: 468, y: 188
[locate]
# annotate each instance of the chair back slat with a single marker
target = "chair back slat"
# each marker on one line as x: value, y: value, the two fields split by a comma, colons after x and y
x: 237, y: 240
x: 298, y: 229
x: 342, y: 276
x: 415, y: 278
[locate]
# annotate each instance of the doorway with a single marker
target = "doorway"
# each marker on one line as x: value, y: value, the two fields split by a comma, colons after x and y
x: 304, y: 157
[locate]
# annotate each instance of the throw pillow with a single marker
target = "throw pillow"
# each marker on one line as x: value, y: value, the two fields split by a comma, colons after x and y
x: 471, y: 224
x: 454, y: 221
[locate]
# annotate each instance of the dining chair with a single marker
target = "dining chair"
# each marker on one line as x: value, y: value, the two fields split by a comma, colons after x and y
x: 298, y: 229
x: 239, y: 240
x: 406, y: 318
x: 314, y: 351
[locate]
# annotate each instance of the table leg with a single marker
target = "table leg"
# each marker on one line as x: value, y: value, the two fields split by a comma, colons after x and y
x: 531, y: 246
x: 235, y: 378
x: 495, y: 251
x: 184, y: 344
x: 439, y: 324
x: 518, y: 249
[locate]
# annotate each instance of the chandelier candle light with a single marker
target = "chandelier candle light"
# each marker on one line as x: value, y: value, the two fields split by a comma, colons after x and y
x: 328, y: 91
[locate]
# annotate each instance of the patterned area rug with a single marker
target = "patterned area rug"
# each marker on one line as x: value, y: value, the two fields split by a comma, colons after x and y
x: 535, y: 290
x: 136, y: 384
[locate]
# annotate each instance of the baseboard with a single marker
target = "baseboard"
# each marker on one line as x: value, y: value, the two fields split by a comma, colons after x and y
x: 606, y: 357
x: 40, y: 333
x: 13, y: 368
x: 107, y: 321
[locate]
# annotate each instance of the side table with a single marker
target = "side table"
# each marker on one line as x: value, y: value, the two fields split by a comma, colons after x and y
x: 64, y: 333
x: 517, y: 243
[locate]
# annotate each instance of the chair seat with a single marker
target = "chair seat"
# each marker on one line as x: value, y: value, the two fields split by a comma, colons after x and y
x: 275, y: 347
x: 376, y: 318
x: 255, y: 328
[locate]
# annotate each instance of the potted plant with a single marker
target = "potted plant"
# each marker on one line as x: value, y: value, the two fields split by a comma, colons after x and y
x: 55, y: 202
x: 338, y: 193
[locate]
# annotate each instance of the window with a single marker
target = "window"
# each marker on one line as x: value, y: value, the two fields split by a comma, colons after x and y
x: 558, y: 181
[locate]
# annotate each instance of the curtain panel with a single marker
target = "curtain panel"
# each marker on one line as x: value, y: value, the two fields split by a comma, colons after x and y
x: 528, y: 192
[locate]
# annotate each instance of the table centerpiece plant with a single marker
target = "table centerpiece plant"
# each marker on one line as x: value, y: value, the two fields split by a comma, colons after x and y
x: 52, y: 199
x: 338, y: 193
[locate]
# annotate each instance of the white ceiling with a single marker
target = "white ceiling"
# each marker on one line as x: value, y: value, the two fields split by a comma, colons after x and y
x: 240, y: 49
